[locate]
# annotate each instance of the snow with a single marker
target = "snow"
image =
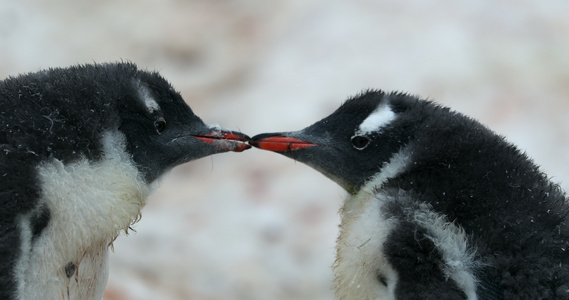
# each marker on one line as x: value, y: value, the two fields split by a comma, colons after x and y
x: 256, y: 225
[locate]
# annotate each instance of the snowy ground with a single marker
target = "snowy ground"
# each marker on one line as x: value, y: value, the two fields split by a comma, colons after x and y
x: 255, y: 225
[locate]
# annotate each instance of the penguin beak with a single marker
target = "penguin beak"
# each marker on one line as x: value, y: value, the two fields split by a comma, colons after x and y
x: 226, y: 140
x: 279, y: 143
x: 316, y: 150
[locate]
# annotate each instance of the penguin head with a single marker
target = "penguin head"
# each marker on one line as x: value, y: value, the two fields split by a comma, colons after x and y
x: 112, y: 112
x: 352, y: 144
x: 162, y: 131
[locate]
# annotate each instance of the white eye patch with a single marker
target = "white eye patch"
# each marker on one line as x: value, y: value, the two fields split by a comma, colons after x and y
x: 379, y: 118
x: 146, y: 96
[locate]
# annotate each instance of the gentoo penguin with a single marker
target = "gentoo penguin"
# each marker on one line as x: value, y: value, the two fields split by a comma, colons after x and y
x: 80, y: 149
x: 439, y: 206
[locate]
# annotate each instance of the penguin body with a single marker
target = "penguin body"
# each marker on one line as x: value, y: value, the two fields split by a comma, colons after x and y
x: 440, y: 207
x: 80, y: 149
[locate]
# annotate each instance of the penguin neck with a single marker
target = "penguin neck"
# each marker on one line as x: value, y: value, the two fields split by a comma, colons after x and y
x: 355, y: 205
x: 98, y: 198
x: 390, y: 169
x: 364, y: 229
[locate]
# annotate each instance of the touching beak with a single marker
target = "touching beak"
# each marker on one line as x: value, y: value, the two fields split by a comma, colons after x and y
x: 226, y: 140
x: 278, y: 143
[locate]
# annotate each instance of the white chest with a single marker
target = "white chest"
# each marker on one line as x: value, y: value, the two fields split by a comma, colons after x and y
x: 361, y: 269
x: 89, y: 204
x: 83, y: 277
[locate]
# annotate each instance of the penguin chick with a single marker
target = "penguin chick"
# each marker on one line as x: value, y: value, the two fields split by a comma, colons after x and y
x: 79, y: 148
x: 439, y: 206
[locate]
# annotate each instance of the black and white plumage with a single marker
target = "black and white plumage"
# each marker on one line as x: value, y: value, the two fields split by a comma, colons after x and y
x: 79, y: 149
x: 440, y: 207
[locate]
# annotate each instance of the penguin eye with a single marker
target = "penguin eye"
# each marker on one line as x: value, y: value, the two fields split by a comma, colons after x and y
x: 360, y: 142
x: 160, y: 125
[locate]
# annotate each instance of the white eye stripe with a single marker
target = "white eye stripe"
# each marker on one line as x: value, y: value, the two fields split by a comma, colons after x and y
x: 379, y: 118
x: 151, y: 104
x: 145, y: 96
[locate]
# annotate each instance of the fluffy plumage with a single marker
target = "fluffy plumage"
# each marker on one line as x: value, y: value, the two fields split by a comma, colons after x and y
x: 440, y: 207
x: 79, y: 149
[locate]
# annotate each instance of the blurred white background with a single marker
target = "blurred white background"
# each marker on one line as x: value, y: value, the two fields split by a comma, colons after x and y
x: 256, y: 225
